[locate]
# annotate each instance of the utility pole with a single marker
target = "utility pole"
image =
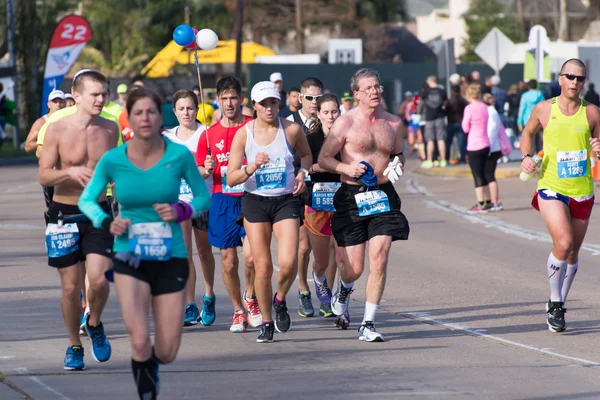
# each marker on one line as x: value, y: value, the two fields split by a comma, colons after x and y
x: 299, y: 30
x: 239, y: 30
x: 11, y: 21
x: 563, y: 25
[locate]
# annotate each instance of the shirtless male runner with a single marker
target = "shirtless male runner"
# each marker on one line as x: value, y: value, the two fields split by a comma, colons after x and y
x: 56, y: 101
x: 565, y: 189
x: 367, y: 205
x: 72, y: 147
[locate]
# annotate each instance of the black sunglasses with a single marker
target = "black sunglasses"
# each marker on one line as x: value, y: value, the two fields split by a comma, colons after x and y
x: 571, y: 77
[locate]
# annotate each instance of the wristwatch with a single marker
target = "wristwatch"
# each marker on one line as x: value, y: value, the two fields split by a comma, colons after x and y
x: 525, y: 156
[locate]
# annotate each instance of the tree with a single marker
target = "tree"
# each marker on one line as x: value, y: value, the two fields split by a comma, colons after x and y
x: 482, y: 16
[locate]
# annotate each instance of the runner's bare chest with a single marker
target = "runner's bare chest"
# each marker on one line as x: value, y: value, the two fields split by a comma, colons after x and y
x: 84, y: 147
x: 370, y: 138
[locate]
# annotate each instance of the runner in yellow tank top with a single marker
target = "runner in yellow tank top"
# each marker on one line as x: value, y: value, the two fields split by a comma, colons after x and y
x: 565, y: 194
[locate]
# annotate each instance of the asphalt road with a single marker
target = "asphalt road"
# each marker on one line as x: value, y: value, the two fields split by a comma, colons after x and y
x: 463, y: 316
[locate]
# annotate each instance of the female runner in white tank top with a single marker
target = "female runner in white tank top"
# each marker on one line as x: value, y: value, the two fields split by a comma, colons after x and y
x: 185, y: 106
x: 270, y: 204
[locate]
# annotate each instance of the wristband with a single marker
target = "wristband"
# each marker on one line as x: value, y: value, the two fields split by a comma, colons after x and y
x: 525, y: 156
x: 245, y: 168
x: 106, y: 223
x: 184, y: 211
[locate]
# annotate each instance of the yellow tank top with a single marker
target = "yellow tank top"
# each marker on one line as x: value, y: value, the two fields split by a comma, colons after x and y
x: 566, y: 165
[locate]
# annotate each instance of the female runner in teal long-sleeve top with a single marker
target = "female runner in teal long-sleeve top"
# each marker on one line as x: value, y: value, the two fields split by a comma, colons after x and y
x: 150, y: 261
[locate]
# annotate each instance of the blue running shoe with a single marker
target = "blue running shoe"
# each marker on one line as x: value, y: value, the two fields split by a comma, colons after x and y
x: 192, y: 315
x: 208, y: 314
x: 101, y: 349
x: 74, y: 359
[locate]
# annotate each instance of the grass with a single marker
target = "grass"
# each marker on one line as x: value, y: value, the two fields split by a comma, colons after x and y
x: 8, y: 151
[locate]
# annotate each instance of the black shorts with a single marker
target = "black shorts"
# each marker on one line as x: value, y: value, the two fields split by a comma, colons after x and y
x: 163, y: 276
x: 91, y: 240
x: 48, y: 194
x: 350, y: 229
x: 201, y: 223
x: 257, y: 208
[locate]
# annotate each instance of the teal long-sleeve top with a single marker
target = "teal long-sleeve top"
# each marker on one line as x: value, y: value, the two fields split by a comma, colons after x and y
x: 529, y: 100
x: 138, y: 190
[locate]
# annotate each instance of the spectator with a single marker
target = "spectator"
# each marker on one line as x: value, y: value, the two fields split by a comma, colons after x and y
x: 499, y: 95
x: 434, y: 99
x: 495, y: 131
x: 455, y: 109
x: 529, y: 100
x: 293, y: 100
x: 475, y: 124
x: 513, y: 99
x: 592, y: 96
x: 347, y: 103
x: 277, y: 79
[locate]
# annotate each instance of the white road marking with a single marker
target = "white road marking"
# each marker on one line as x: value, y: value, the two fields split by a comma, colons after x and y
x: 21, y: 227
x: 7, y: 357
x: 476, y: 332
x: 497, y: 223
x: 413, y: 188
x: 37, y: 380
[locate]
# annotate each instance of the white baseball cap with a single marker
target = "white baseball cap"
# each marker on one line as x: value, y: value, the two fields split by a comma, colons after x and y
x: 276, y: 76
x: 264, y: 90
x: 495, y: 80
x: 69, y: 96
x: 56, y: 94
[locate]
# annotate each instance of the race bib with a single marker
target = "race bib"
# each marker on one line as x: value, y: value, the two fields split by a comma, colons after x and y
x: 228, y: 189
x: 322, y: 195
x: 271, y: 175
x: 184, y: 188
x: 372, y: 203
x: 571, y: 164
x: 151, y: 241
x: 62, y: 240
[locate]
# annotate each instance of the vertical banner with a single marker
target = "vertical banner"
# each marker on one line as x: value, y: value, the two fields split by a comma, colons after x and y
x: 70, y: 36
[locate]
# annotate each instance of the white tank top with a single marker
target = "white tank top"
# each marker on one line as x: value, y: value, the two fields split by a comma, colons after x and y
x: 185, y: 192
x: 276, y: 178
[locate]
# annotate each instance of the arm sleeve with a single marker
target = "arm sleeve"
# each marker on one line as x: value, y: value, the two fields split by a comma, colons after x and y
x: 466, y: 122
x: 201, y: 150
x: 88, y: 202
x: 201, y: 201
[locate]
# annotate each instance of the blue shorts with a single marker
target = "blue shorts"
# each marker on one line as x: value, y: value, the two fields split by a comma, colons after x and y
x: 223, y: 229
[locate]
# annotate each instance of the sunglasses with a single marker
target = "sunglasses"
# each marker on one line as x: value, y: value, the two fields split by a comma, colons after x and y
x: 311, y: 98
x: 571, y: 77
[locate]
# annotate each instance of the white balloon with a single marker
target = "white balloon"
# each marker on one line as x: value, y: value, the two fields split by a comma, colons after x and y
x: 207, y: 39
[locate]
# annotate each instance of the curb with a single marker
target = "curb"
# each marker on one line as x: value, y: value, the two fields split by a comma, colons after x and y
x: 11, y: 161
x: 501, y: 173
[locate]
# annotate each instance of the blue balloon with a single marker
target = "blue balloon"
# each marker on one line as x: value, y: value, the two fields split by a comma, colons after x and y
x: 184, y: 35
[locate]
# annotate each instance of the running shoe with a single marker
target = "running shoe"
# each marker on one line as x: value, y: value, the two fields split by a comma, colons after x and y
x: 255, y: 318
x: 340, y: 299
x: 436, y: 163
x: 283, y: 322
x: 266, y: 333
x: 239, y: 323
x: 443, y: 164
x: 497, y: 207
x: 481, y: 208
x: 208, y: 314
x: 367, y: 333
x: 101, y: 349
x: 426, y: 165
x: 192, y: 315
x: 342, y: 321
x: 324, y: 295
x: 84, y: 317
x: 305, y: 307
x: 74, y: 359
x: 556, y: 316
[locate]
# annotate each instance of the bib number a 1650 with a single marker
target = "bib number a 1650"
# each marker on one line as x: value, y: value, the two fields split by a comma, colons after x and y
x: 151, y: 241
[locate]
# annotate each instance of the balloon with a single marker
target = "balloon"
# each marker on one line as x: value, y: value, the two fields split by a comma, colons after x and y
x: 207, y: 39
x: 183, y: 35
x: 192, y: 45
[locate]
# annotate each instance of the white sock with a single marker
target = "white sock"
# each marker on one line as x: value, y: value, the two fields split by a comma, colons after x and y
x: 557, y: 270
x: 247, y: 298
x: 370, y: 311
x: 568, y: 281
x: 87, y: 310
x: 320, y: 280
x: 347, y: 285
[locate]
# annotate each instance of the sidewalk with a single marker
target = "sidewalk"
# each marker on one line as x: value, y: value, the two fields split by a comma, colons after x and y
x: 503, y: 171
